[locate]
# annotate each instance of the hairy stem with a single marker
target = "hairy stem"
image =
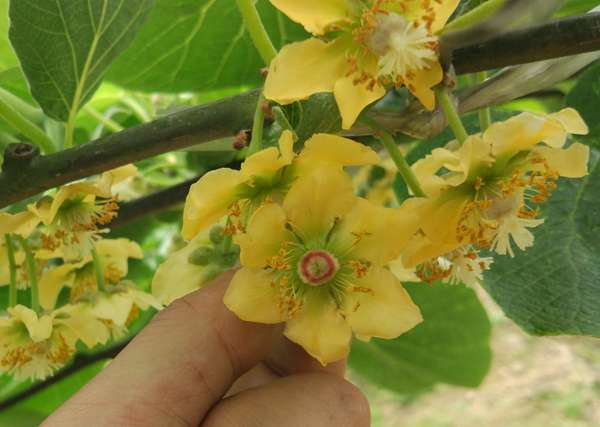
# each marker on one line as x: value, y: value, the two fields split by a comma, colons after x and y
x: 32, y: 273
x: 12, y: 265
x: 390, y: 145
x: 451, y: 114
x: 257, y: 127
x: 257, y: 30
x: 485, y: 114
x: 98, y: 270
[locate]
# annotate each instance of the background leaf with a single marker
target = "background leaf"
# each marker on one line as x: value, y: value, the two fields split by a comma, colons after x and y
x: 451, y: 345
x: 585, y: 98
x: 575, y: 7
x: 554, y: 287
x: 65, y: 46
x: 8, y: 58
x: 197, y: 45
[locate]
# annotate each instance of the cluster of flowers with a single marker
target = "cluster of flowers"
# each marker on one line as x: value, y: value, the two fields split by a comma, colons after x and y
x: 54, y: 246
x: 328, y: 262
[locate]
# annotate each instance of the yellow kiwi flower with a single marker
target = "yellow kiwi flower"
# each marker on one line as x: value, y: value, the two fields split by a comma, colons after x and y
x: 33, y: 346
x: 266, y: 175
x: 318, y: 263
x: 74, y: 217
x: 359, y: 48
x: 492, y: 186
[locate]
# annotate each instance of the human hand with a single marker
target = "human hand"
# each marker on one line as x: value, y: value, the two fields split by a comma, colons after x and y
x: 196, y: 364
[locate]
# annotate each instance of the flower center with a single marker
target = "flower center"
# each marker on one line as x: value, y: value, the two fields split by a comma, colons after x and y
x: 317, y: 267
x: 402, y: 46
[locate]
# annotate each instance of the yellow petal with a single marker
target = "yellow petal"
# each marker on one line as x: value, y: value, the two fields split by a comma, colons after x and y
x: 321, y: 330
x: 315, y: 15
x: 286, y: 146
x: 335, y: 149
x: 440, y: 217
x: 47, y: 208
x: 113, y: 177
x: 571, y: 121
x: 116, y: 253
x: 177, y: 277
x: 304, y: 68
x: 253, y: 297
x: 22, y: 223
x: 421, y: 249
x: 264, y: 237
x: 570, y: 163
x: 522, y: 132
x: 385, y: 311
x: 423, y: 80
x: 52, y: 282
x: 263, y: 163
x: 39, y: 329
x: 442, y: 10
x: 79, y: 319
x: 352, y: 98
x: 382, y: 232
x: 209, y: 199
x: 114, y: 307
x: 316, y: 200
x: 143, y: 299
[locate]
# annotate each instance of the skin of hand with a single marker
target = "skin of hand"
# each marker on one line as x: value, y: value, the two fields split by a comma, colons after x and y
x: 197, y: 364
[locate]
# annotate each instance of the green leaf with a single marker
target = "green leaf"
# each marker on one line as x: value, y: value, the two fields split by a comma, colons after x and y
x: 576, y: 7
x: 65, y: 46
x: 585, y: 98
x: 8, y: 58
x: 317, y: 114
x: 554, y: 287
x: 450, y: 346
x: 198, y: 45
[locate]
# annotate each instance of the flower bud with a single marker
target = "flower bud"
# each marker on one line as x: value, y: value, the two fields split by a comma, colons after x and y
x: 202, y: 256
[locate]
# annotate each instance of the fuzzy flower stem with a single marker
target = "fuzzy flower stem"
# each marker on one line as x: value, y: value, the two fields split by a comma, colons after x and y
x: 12, y: 265
x: 267, y: 51
x: 451, y: 114
x: 32, y: 273
x: 257, y: 127
x: 257, y: 30
x: 390, y: 145
x: 485, y: 116
x: 98, y: 269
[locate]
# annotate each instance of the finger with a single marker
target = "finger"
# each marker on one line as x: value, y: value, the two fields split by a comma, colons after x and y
x: 286, y: 358
x: 175, y: 369
x: 300, y: 400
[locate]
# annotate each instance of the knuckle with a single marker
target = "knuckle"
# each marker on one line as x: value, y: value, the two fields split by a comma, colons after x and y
x: 355, y: 405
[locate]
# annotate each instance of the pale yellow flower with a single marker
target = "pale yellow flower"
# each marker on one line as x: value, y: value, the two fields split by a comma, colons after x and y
x: 33, y: 347
x: 493, y: 184
x: 80, y: 276
x: 318, y: 263
x: 360, y: 47
x: 266, y: 175
x: 75, y: 215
